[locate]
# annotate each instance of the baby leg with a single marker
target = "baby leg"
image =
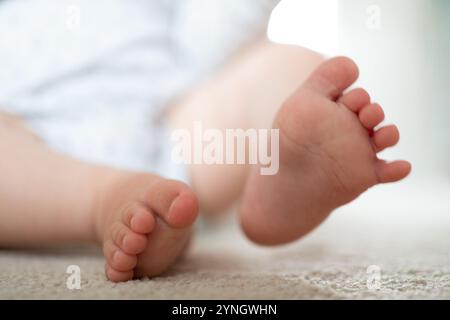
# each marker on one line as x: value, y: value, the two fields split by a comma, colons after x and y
x: 142, y: 221
x: 246, y: 93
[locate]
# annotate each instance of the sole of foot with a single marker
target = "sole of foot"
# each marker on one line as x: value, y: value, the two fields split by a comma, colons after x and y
x: 144, y: 223
x: 329, y: 145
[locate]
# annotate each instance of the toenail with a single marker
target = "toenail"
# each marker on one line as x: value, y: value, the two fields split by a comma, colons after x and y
x: 124, y: 241
x: 172, y: 205
x: 133, y: 222
x: 115, y: 256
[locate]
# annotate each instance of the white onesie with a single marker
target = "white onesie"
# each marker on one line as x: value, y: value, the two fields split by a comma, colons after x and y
x: 92, y: 77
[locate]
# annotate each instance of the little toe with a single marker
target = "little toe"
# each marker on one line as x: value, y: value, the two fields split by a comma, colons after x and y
x: 127, y: 240
x: 117, y: 259
x: 118, y: 276
x: 355, y: 99
x: 122, y: 261
x: 386, y: 137
x: 392, y: 172
x: 371, y: 116
x: 139, y: 219
x: 174, y: 202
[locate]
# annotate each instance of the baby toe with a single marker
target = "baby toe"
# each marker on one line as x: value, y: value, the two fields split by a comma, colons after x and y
x: 355, y: 99
x: 371, y: 116
x: 127, y: 240
x: 122, y: 261
x: 393, y: 171
x: 386, y: 137
x: 119, y: 260
x: 118, y: 276
x: 140, y: 220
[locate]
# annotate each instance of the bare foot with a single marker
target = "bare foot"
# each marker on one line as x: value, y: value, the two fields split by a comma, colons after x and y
x: 144, y: 223
x: 328, y: 157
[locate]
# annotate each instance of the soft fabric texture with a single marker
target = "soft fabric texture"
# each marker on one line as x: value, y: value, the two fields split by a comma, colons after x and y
x: 92, y: 78
x: 409, y: 246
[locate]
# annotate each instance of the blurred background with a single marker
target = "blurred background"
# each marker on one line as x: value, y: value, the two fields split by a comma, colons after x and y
x: 403, y: 50
x: 101, y: 55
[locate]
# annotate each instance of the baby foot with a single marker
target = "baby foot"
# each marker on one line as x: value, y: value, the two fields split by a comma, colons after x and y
x: 328, y: 157
x: 144, y: 223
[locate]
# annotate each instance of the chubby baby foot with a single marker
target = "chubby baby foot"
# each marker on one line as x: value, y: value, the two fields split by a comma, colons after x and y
x: 143, y: 222
x: 328, y: 156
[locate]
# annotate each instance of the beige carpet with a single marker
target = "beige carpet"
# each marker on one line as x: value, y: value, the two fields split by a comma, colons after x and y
x: 410, y: 244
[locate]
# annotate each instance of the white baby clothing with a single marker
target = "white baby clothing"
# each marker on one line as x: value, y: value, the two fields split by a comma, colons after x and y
x: 92, y: 77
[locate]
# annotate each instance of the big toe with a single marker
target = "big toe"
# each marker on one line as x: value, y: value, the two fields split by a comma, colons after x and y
x: 174, y: 202
x: 333, y: 76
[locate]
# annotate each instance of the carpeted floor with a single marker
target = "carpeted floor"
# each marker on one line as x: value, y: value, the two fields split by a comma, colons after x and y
x: 410, y: 245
